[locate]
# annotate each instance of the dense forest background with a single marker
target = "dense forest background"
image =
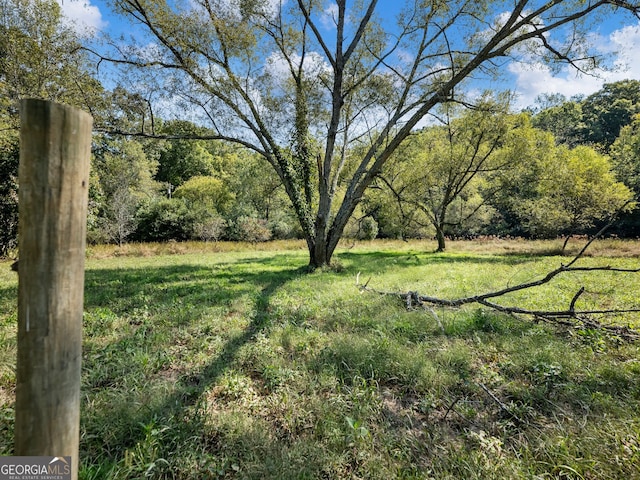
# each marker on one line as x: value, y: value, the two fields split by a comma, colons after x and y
x: 559, y: 168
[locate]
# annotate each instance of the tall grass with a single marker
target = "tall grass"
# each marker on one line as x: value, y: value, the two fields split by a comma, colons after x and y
x: 215, y: 361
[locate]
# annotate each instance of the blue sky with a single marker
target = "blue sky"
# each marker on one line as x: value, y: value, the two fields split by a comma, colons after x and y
x: 619, y: 37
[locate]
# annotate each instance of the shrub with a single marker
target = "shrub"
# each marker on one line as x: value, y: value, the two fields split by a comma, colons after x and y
x: 249, y: 229
x: 210, y: 229
x: 165, y: 219
x: 8, y: 194
x: 368, y: 229
x: 365, y: 228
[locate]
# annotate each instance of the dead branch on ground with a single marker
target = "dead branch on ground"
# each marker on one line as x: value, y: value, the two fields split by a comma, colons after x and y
x: 569, y: 317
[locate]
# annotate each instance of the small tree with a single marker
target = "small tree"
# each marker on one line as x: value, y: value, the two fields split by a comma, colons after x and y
x: 589, y: 191
x: 119, y: 221
x: 443, y: 164
x: 249, y: 229
x: 210, y: 228
x: 125, y: 176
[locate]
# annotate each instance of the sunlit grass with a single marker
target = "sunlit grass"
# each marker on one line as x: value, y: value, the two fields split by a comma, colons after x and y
x: 228, y: 361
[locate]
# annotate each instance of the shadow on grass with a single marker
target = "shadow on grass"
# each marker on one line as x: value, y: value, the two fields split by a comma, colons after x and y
x: 155, y: 305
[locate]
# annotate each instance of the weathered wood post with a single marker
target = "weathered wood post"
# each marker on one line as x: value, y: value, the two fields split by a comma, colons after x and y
x: 55, y: 147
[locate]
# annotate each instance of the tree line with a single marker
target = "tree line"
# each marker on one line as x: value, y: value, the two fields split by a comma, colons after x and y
x: 328, y: 147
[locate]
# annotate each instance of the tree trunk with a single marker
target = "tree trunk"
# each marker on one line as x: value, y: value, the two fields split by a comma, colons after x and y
x: 440, y: 238
x: 440, y: 220
x: 318, y: 258
x: 319, y: 253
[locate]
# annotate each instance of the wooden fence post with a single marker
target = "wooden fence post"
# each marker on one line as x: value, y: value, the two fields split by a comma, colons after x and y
x: 55, y: 148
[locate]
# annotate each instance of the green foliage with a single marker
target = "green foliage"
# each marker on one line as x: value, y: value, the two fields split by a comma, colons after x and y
x: 563, y: 121
x: 121, y: 180
x: 124, y: 111
x: 39, y: 57
x: 442, y: 167
x: 181, y: 160
x: 210, y: 227
x: 362, y: 228
x: 206, y: 193
x: 625, y: 158
x: 368, y: 229
x: 270, y: 77
x: 625, y: 155
x: 590, y: 191
x: 8, y: 192
x: 260, y: 193
x: 165, y: 219
x: 595, y: 120
x: 609, y: 109
x: 555, y: 190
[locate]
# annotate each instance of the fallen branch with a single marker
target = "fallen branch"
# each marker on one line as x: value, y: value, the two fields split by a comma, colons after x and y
x: 502, y: 406
x: 571, y: 317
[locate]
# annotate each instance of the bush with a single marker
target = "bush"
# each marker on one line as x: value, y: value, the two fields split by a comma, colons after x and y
x: 165, y: 219
x: 365, y: 228
x: 8, y: 195
x: 210, y: 229
x: 249, y: 229
x: 368, y: 229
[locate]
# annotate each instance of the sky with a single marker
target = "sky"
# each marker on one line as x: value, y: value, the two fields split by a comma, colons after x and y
x: 622, y: 40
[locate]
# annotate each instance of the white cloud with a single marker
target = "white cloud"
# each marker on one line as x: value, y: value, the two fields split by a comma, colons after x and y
x: 314, y: 65
x: 627, y: 43
x: 533, y: 79
x: 85, y: 18
x: 329, y: 18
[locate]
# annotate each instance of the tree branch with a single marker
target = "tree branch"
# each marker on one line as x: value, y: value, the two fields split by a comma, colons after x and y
x: 569, y: 317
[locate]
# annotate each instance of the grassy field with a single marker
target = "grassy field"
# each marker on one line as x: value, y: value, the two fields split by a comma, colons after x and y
x: 226, y: 361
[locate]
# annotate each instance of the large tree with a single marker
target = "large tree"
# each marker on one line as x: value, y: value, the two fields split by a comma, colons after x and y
x: 304, y: 81
x: 595, y: 120
x: 39, y: 57
x: 608, y: 110
x: 625, y: 155
x: 564, y: 121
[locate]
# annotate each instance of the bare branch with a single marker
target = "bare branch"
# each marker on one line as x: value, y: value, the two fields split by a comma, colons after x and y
x: 572, y: 306
x: 569, y: 317
x: 502, y: 406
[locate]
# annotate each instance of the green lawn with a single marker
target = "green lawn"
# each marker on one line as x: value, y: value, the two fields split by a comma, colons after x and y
x: 222, y: 362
